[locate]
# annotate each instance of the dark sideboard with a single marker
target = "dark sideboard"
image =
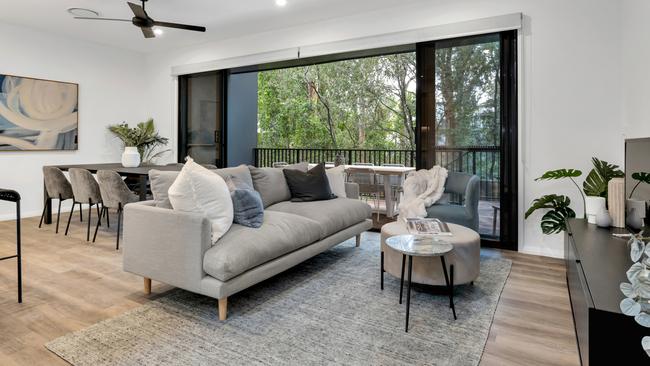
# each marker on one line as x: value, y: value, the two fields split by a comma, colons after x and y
x: 596, y: 263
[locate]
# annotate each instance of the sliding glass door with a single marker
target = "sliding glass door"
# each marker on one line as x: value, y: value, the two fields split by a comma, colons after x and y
x: 201, y: 118
x: 467, y: 122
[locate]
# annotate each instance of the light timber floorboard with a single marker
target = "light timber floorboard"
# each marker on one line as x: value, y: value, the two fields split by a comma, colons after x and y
x: 70, y: 284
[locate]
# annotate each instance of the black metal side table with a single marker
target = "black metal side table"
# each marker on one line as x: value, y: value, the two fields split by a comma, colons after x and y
x: 13, y: 196
x: 420, y: 246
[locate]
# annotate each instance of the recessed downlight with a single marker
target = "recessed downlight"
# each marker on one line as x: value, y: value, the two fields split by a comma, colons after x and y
x: 83, y: 12
x: 281, y: 3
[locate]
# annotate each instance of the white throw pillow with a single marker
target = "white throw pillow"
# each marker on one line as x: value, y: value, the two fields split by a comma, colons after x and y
x: 336, y: 177
x: 199, y: 190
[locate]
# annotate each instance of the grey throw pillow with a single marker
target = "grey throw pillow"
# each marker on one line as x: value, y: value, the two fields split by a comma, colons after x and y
x: 247, y: 204
x: 312, y: 185
x: 160, y: 182
x: 270, y: 183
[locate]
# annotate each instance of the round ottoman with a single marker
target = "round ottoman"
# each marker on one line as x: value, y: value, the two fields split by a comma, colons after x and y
x: 427, y: 270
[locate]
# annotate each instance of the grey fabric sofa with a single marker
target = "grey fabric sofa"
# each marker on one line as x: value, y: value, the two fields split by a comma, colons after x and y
x: 174, y: 247
x: 466, y: 213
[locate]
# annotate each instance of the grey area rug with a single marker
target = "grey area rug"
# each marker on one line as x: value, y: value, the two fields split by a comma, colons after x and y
x: 328, y: 310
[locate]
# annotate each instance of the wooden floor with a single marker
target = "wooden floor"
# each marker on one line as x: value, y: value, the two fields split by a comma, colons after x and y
x: 70, y: 284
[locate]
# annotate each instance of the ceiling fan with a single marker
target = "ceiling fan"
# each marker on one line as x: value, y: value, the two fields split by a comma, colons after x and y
x: 143, y: 21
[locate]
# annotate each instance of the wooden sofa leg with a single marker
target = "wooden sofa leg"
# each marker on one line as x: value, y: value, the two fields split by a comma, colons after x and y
x: 147, y: 285
x: 223, y: 308
x: 358, y: 240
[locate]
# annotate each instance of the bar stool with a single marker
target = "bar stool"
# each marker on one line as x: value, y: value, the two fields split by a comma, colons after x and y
x: 57, y: 187
x: 115, y: 194
x: 85, y: 190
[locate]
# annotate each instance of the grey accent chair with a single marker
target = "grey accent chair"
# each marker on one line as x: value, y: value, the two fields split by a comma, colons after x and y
x: 57, y: 187
x: 465, y: 212
x: 115, y: 194
x: 85, y: 190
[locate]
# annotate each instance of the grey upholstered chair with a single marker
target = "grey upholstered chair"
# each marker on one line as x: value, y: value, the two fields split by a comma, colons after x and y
x: 85, y: 190
x: 366, y: 179
x: 115, y: 194
x: 395, y: 182
x: 57, y: 187
x: 465, y: 212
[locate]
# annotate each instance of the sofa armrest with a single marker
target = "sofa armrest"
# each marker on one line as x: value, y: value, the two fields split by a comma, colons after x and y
x: 165, y: 245
x: 352, y: 190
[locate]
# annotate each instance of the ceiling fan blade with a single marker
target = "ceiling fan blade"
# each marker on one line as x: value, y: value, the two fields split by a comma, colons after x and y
x: 148, y: 32
x: 138, y: 11
x: 195, y: 28
x: 111, y: 19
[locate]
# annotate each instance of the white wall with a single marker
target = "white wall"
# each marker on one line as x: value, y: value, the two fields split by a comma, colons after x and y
x: 635, y: 68
x: 109, y: 92
x: 571, y: 105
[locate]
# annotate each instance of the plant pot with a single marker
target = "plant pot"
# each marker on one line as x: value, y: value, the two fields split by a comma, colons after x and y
x: 593, y: 205
x: 130, y: 157
x: 635, y: 212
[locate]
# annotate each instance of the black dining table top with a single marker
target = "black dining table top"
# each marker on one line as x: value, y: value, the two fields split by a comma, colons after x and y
x: 141, y: 170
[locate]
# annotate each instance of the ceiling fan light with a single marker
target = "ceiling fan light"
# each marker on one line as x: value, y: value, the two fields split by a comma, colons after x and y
x: 281, y: 3
x: 158, y: 31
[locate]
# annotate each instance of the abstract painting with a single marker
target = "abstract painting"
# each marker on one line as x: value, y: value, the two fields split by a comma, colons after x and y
x: 37, y: 114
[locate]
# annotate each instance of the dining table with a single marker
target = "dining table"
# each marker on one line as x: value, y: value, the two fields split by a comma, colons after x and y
x: 141, y: 174
x: 386, y: 172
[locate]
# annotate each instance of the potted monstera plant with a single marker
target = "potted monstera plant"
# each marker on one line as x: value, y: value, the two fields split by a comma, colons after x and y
x: 558, y: 207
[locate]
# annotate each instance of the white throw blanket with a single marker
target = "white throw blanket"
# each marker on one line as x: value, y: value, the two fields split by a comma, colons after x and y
x: 422, y: 189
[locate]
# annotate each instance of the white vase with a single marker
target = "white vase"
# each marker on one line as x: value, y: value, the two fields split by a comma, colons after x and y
x: 603, y: 219
x: 130, y: 157
x: 593, y: 205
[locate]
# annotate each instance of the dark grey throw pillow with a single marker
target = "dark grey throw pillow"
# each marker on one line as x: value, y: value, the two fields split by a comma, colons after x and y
x: 312, y: 185
x: 248, y: 209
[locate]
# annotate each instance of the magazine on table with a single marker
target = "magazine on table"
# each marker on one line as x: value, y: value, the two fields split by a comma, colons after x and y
x: 427, y: 226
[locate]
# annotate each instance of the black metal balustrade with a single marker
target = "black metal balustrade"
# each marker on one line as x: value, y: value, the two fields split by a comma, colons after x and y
x: 480, y: 160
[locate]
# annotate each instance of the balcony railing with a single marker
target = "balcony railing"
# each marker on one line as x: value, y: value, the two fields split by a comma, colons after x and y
x: 482, y: 161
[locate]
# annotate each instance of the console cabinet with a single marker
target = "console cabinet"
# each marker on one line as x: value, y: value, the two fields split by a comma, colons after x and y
x: 596, y: 263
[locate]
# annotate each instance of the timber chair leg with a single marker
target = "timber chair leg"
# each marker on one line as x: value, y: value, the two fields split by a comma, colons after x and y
x: 147, y: 286
x: 223, y: 308
x: 70, y: 217
x: 358, y: 240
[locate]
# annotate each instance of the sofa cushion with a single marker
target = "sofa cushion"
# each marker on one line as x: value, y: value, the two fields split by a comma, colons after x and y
x: 161, y: 180
x: 243, y: 248
x: 270, y: 183
x: 197, y: 189
x: 308, y: 186
x: 332, y: 215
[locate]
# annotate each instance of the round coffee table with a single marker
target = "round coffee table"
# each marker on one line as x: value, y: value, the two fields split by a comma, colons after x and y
x: 421, y: 246
x: 427, y: 271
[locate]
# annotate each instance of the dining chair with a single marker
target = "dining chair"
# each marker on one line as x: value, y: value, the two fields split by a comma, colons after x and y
x: 85, y: 190
x: 366, y: 179
x: 115, y: 194
x: 396, y: 182
x: 57, y: 187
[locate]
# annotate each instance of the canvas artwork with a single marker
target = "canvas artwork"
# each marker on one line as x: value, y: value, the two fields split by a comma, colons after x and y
x: 37, y: 114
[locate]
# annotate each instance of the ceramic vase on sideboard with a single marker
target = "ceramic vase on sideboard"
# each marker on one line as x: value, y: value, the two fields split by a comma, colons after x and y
x: 635, y: 213
x: 594, y: 205
x: 616, y: 201
x: 130, y: 157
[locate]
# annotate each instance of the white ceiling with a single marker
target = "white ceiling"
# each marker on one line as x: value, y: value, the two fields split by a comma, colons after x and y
x: 223, y: 18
